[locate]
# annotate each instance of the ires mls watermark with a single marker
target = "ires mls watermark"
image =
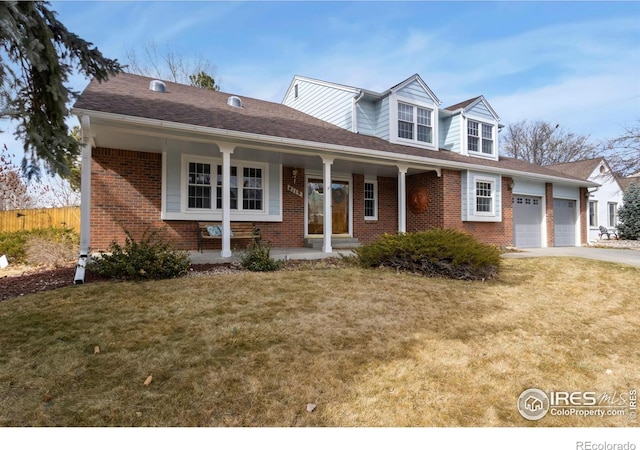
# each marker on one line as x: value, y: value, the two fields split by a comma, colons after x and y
x: 534, y: 404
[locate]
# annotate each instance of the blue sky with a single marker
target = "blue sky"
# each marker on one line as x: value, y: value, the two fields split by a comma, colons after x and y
x: 572, y: 63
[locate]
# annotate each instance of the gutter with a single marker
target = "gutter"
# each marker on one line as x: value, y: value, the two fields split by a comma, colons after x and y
x: 341, y: 150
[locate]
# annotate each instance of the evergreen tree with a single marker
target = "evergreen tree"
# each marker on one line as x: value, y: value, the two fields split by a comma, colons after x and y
x: 37, y: 55
x: 629, y: 213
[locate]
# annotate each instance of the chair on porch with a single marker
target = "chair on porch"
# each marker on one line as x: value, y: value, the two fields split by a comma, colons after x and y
x: 608, y: 232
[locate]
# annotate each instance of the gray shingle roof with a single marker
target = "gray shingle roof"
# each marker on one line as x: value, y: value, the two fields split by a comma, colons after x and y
x: 129, y: 95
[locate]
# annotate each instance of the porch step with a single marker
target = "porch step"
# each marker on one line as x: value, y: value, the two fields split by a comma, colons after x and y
x: 336, y: 243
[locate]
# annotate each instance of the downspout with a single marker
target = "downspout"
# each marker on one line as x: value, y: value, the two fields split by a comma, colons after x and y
x: 85, y: 201
x: 354, y: 112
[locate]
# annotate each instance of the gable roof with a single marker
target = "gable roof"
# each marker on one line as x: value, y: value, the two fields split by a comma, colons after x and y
x: 581, y: 169
x: 128, y: 97
x: 468, y: 104
x: 626, y: 182
x: 462, y: 105
x: 417, y: 78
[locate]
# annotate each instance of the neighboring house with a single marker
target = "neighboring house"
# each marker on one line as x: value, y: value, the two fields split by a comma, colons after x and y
x: 604, y: 200
x: 625, y: 182
x: 165, y: 155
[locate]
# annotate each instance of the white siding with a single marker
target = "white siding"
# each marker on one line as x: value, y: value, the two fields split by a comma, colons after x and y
x: 469, y: 180
x: 480, y: 110
x: 568, y: 192
x: 414, y: 91
x: 608, y: 192
x: 367, y: 114
x: 450, y: 133
x: 527, y: 187
x: 324, y: 102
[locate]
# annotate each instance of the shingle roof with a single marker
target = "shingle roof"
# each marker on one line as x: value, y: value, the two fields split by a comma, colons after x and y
x: 628, y: 181
x: 580, y: 169
x: 463, y: 104
x: 129, y: 95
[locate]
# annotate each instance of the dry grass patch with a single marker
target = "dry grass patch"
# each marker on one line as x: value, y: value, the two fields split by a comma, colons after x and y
x: 370, y: 348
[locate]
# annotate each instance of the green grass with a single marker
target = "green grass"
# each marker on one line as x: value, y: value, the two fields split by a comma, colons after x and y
x: 368, y: 347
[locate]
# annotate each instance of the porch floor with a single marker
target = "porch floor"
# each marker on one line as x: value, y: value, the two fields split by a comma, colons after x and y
x: 213, y: 256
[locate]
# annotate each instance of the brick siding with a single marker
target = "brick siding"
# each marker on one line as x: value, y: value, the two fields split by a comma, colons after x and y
x: 126, y: 189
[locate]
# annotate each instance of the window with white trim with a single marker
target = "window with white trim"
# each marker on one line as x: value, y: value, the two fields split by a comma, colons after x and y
x: 480, y: 137
x: 415, y: 123
x: 246, y: 186
x: 371, y: 200
x: 484, y: 197
x: 199, y: 185
x: 613, y: 214
x: 593, y: 214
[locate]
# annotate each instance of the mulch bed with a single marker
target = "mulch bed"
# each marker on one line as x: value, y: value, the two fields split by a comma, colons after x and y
x: 48, y: 279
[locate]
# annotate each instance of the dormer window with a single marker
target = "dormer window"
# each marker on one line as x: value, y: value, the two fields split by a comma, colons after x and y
x: 480, y: 137
x: 415, y: 123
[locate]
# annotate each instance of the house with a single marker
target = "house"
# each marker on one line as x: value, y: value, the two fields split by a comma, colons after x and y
x: 165, y: 155
x: 604, y: 200
x: 625, y: 182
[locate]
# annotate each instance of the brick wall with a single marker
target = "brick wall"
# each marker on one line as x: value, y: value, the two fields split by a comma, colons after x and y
x: 126, y: 188
x: 584, y: 202
x: 548, y: 189
x: 368, y: 230
x: 289, y: 233
x: 126, y: 194
x: 445, y: 208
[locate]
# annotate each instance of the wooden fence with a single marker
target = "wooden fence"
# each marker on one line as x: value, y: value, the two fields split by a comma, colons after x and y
x: 33, y: 219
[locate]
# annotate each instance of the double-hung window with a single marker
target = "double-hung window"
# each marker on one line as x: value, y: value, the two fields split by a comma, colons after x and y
x: 484, y: 197
x: 593, y: 214
x: 480, y: 137
x: 371, y: 200
x: 415, y: 123
x: 199, y: 185
x: 204, y: 188
x: 613, y: 214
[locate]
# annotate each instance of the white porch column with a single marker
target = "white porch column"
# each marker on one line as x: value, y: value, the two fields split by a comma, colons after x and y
x: 327, y: 214
x: 226, y: 151
x: 85, y: 200
x: 402, y: 199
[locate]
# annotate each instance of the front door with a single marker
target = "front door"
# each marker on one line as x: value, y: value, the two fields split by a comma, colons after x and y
x: 339, y: 207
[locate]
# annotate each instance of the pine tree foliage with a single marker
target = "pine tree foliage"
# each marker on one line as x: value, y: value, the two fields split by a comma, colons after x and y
x: 629, y: 213
x: 37, y: 56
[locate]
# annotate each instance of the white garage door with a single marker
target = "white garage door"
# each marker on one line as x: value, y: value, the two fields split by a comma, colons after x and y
x: 527, y: 221
x: 564, y: 218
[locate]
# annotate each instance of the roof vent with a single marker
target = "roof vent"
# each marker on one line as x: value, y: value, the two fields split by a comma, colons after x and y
x: 157, y: 86
x: 234, y: 101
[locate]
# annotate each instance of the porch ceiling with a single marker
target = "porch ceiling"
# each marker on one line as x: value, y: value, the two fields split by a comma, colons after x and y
x: 135, y: 138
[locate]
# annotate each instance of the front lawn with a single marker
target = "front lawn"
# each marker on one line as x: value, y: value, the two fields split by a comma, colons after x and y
x: 367, y: 347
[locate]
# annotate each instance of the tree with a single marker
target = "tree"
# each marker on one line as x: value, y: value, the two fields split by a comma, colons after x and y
x: 542, y: 143
x: 172, y: 67
x: 15, y: 192
x: 629, y: 213
x: 624, y: 151
x: 204, y: 81
x: 37, y: 55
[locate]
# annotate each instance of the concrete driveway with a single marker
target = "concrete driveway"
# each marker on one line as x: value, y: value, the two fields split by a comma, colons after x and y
x: 623, y: 256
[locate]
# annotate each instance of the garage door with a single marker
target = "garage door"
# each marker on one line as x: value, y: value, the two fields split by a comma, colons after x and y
x: 564, y: 218
x: 527, y: 221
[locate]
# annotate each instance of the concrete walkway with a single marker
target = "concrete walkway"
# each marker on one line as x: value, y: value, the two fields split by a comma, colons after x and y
x: 623, y: 256
x: 213, y: 256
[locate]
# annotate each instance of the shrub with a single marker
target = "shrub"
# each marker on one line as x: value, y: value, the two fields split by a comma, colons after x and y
x: 148, y: 258
x: 629, y: 213
x: 257, y: 258
x: 17, y: 245
x: 439, y: 252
